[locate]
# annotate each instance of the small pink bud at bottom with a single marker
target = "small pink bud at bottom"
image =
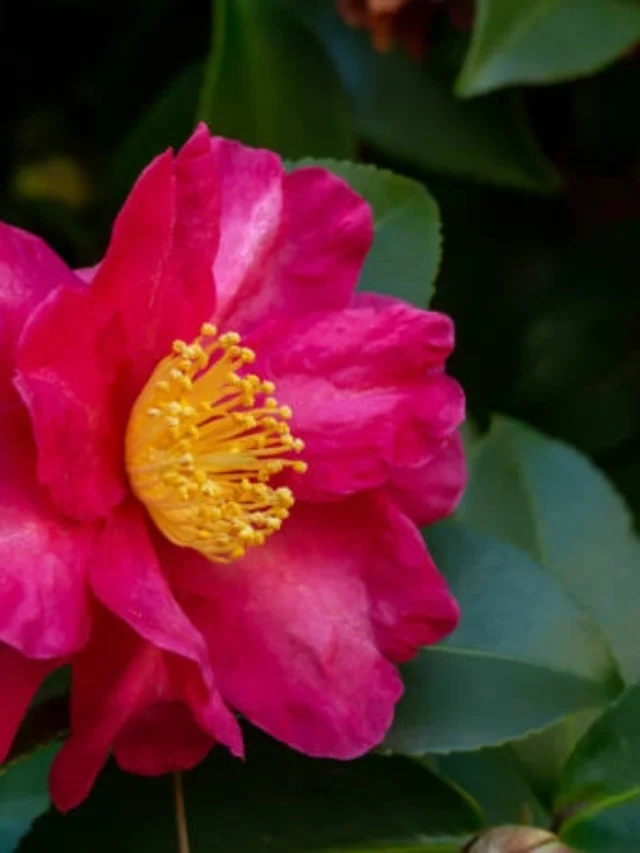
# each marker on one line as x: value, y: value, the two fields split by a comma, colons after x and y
x: 517, y: 839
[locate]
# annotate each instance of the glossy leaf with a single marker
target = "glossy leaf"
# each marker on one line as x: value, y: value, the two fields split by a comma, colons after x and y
x: 606, y: 762
x: 523, y: 657
x: 269, y: 83
x: 610, y: 828
x: 497, y: 780
x: 277, y: 801
x: 23, y: 795
x: 600, y: 788
x: 543, y: 755
x: 545, y: 41
x: 546, y: 498
x: 407, y: 248
x: 408, y: 112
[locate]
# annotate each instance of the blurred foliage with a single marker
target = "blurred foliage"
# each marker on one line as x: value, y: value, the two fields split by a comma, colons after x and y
x: 517, y: 148
x: 278, y: 801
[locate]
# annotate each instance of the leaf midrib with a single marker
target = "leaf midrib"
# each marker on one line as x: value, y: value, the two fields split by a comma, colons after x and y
x: 515, y: 34
x: 544, y: 558
x: 482, y: 653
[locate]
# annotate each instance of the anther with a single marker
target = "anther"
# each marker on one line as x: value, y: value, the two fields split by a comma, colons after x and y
x: 203, y: 468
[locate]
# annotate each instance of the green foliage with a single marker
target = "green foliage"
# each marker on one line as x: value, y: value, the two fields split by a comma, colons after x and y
x: 549, y: 500
x: 545, y: 41
x: 251, y: 93
x: 497, y: 780
x: 600, y: 788
x: 543, y: 755
x: 606, y: 763
x: 576, y: 372
x: 409, y: 113
x: 276, y: 801
x: 520, y: 668
x: 23, y: 795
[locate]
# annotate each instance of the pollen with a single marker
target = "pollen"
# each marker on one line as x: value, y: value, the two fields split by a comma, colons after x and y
x: 204, y: 441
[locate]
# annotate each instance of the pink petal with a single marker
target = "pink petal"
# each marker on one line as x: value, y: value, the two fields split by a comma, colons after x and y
x: 21, y: 678
x: 376, y: 339
x: 291, y: 632
x: 126, y: 577
x: 161, y: 738
x: 354, y: 440
x: 68, y: 380
x: 44, y: 609
x: 431, y: 491
x: 206, y: 705
x: 110, y: 679
x: 411, y: 605
x: 367, y: 391
x: 155, y: 282
x: 288, y: 243
x: 29, y: 270
x: 87, y: 351
x: 126, y: 695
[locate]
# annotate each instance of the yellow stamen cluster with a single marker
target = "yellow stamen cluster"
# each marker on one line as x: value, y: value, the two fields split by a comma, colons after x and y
x: 202, y: 444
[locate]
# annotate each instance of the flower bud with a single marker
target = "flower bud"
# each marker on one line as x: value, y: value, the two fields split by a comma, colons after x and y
x: 517, y: 839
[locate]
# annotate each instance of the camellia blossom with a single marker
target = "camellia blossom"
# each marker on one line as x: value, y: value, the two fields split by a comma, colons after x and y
x: 214, y: 456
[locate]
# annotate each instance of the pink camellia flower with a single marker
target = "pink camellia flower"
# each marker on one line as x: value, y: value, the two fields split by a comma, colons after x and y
x: 193, y: 544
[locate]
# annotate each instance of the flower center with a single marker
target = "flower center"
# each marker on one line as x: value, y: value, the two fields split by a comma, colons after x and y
x: 203, y: 442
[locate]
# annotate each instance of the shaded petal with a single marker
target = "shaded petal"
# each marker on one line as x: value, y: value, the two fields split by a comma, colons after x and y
x: 155, y: 282
x: 87, y: 351
x: 206, y: 705
x: 411, y: 605
x: 68, y: 379
x: 110, y: 680
x: 289, y: 243
x: 161, y: 738
x: 291, y: 634
x: 125, y: 695
x: 44, y: 610
x: 126, y: 577
x: 21, y: 678
x: 367, y: 391
x: 431, y: 491
x: 29, y: 270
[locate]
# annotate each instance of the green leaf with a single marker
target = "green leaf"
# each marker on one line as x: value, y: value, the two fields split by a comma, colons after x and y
x: 600, y: 787
x: 578, y: 377
x: 277, y: 800
x: 543, y: 755
x: 546, y: 498
x: 510, y: 668
x: 269, y: 83
x: 545, y: 41
x: 407, y: 248
x: 496, y: 779
x: 610, y: 828
x: 407, y: 111
x: 606, y: 762
x: 23, y: 795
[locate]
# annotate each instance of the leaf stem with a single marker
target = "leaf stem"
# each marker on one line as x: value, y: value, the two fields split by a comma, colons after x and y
x: 181, y: 815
